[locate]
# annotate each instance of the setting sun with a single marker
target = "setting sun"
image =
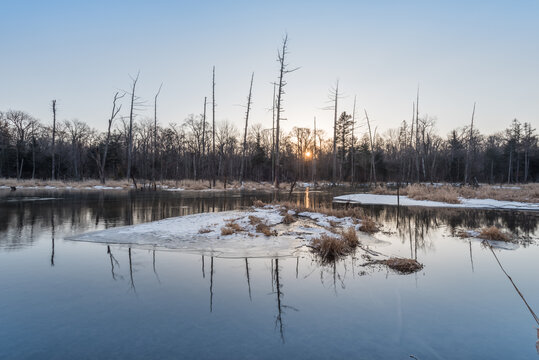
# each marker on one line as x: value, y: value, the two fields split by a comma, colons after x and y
x: 308, y: 154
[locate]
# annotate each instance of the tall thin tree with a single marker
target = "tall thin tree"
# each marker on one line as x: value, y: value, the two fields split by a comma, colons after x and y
x: 242, y: 169
x: 115, y: 110
x: 373, y: 167
x: 352, y: 154
x: 154, y: 152
x: 130, y: 133
x: 53, y: 137
x: 468, y: 149
x: 214, y: 170
x: 283, y: 70
x: 335, y: 103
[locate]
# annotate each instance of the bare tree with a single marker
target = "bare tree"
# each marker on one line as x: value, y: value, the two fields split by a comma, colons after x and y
x: 352, y: 166
x: 314, y: 154
x: 53, y: 136
x: 115, y: 110
x: 283, y: 70
x: 213, y: 123
x: 130, y: 134
x: 373, y: 167
x: 245, y: 131
x: 468, y: 149
x: 273, y: 135
x: 336, y: 93
x: 154, y: 152
x: 22, y: 124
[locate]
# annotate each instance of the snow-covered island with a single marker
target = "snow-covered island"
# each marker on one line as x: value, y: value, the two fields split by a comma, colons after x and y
x: 376, y: 199
x: 267, y: 231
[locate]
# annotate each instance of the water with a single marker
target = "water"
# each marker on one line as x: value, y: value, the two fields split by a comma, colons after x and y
x: 63, y: 299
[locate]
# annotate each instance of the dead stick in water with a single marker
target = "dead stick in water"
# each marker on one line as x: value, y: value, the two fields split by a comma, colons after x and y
x: 512, y: 282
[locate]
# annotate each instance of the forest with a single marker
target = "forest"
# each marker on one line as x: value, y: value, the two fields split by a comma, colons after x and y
x: 136, y: 147
x: 414, y: 152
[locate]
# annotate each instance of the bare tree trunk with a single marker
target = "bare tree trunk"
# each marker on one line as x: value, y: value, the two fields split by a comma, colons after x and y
x: 205, y: 166
x: 273, y: 136
x: 213, y: 123
x: 352, y: 154
x: 334, y: 176
x: 130, y: 135
x: 154, y: 152
x: 33, y: 153
x: 417, y: 136
x: 115, y: 111
x: 314, y: 154
x: 281, y: 55
x: 245, y: 132
x: 467, y: 166
x: 373, y: 167
x: 510, y: 164
x: 53, y: 136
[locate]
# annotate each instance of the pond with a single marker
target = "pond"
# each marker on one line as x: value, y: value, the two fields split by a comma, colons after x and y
x: 67, y: 299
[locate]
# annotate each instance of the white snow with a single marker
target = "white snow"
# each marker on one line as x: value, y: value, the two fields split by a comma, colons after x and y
x: 184, y: 233
x: 465, y: 203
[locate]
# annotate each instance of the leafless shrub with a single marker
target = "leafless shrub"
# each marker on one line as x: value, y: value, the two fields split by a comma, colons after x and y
x: 204, y: 231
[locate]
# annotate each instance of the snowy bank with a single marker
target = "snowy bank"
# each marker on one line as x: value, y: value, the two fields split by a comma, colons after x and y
x: 203, y: 233
x: 374, y: 199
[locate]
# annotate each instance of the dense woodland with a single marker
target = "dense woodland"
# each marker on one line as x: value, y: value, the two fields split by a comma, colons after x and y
x: 141, y: 148
x: 413, y: 152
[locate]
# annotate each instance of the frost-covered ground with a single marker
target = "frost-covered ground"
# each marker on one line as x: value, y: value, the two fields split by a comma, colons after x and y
x: 465, y: 203
x: 201, y: 233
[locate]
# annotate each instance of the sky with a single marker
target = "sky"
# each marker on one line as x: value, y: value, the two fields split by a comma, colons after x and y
x: 456, y: 52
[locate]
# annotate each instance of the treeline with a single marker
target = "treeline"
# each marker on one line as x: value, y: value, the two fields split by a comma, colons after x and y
x: 413, y: 152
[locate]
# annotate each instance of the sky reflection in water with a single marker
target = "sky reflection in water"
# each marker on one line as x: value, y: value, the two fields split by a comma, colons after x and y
x: 66, y: 299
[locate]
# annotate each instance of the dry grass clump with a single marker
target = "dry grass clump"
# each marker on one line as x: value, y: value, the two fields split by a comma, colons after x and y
x: 369, y: 226
x: 447, y: 194
x: 402, y: 265
x: 330, y: 248
x: 349, y: 236
x: 463, y: 234
x: 493, y: 233
x: 353, y: 212
x: 288, y: 219
x: 254, y: 220
x: 204, y: 231
x: 231, y: 228
x: 265, y: 229
x: 450, y: 194
x: 382, y: 190
x: 227, y: 231
x: 258, y: 203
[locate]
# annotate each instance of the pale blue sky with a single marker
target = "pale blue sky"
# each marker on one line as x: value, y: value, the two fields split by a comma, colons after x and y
x: 457, y: 51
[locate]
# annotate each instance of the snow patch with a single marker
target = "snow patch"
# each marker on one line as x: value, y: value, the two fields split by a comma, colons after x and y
x: 375, y: 199
x: 201, y: 233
